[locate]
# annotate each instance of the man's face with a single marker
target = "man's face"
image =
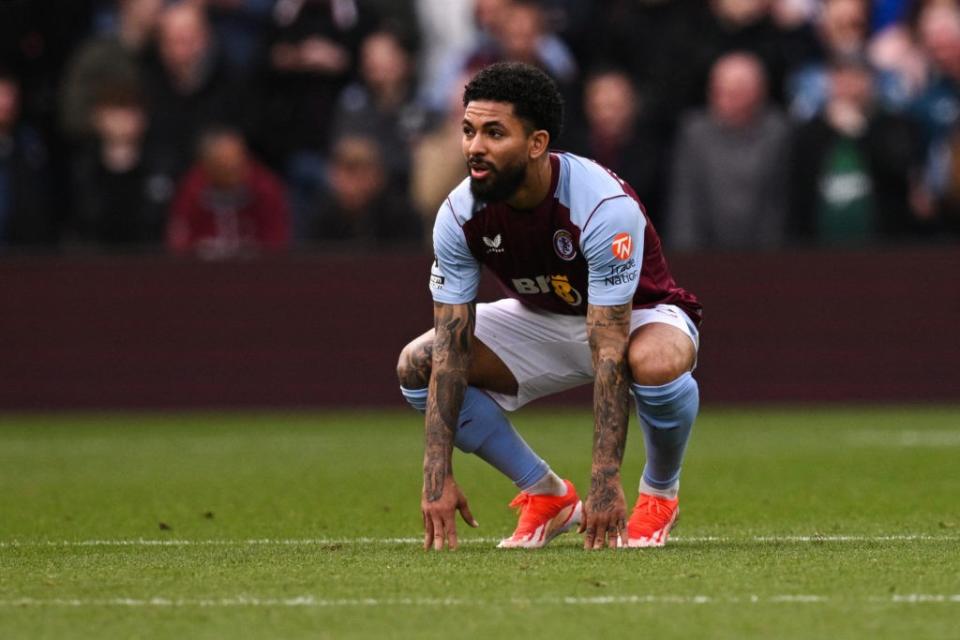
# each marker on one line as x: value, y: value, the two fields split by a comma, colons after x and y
x: 226, y: 162
x: 610, y: 104
x: 183, y: 37
x: 845, y: 24
x: 736, y: 90
x: 496, y: 146
x: 119, y: 123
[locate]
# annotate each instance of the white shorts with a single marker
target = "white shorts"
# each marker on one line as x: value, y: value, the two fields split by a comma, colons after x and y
x: 547, y: 352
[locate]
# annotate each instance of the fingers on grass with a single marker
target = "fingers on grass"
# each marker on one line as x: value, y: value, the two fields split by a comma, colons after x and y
x: 600, y: 538
x: 588, y: 540
x: 613, y: 538
x: 427, y: 531
x: 438, y: 533
x: 467, y: 516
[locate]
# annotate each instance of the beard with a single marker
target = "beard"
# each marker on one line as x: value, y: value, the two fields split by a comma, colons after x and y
x: 499, y: 184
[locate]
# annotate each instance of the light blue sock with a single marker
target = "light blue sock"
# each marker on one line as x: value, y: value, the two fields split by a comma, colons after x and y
x: 666, y: 414
x: 484, y: 430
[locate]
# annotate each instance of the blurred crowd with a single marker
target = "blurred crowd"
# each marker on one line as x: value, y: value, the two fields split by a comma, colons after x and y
x: 231, y: 127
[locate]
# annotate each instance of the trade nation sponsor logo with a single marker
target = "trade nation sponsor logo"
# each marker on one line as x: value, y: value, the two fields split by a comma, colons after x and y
x: 558, y: 284
x: 622, y: 273
x: 622, y: 246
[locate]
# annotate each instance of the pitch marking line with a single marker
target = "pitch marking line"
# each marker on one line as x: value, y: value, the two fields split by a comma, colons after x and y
x: 314, y: 602
x: 143, y: 542
x: 907, y: 439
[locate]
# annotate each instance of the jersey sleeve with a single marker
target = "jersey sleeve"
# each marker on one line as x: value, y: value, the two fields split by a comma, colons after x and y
x: 612, y: 244
x: 455, y: 275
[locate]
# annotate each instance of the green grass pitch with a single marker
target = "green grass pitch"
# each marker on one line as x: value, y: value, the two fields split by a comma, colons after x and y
x: 797, y: 523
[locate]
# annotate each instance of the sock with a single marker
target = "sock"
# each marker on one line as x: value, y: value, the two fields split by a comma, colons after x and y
x: 484, y: 430
x: 417, y: 398
x: 670, y: 493
x: 549, y: 485
x: 666, y: 414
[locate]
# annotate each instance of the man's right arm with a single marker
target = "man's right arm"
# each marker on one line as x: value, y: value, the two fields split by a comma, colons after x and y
x: 453, y: 325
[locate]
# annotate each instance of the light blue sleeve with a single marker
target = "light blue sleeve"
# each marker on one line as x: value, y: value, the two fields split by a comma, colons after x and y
x: 455, y: 275
x: 612, y: 244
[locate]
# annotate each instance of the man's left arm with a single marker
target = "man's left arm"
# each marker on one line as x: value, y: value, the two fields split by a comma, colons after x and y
x: 605, y: 512
x: 612, y: 244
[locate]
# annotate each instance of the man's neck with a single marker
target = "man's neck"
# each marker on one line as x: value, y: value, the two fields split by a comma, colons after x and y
x: 535, y: 188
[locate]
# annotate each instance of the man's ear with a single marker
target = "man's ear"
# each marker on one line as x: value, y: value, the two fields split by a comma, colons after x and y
x: 538, y: 143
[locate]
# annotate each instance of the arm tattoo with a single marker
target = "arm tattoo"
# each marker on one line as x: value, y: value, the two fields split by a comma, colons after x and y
x: 453, y: 324
x: 608, y: 329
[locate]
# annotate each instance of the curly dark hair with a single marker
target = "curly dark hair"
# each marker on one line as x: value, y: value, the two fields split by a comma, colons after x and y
x: 533, y: 94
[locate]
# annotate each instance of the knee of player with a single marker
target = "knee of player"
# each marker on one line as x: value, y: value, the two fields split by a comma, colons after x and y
x: 653, y: 367
x: 413, y: 366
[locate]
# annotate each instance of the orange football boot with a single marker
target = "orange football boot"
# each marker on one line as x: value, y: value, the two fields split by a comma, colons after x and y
x: 651, y: 521
x: 543, y: 518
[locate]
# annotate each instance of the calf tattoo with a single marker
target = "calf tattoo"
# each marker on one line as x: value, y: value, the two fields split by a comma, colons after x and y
x: 453, y: 325
x: 417, y: 364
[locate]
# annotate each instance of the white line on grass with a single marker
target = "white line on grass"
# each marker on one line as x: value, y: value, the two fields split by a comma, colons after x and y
x: 315, y: 602
x: 326, y: 542
x: 907, y: 439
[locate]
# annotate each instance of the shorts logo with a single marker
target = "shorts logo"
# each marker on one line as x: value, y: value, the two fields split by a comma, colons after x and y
x: 622, y: 246
x: 563, y: 245
x: 494, y: 244
x: 559, y: 284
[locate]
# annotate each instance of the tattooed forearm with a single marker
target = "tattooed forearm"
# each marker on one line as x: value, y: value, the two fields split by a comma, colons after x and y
x: 608, y: 329
x: 453, y: 326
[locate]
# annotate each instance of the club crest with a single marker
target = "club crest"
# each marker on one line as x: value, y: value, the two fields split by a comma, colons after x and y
x: 564, y: 246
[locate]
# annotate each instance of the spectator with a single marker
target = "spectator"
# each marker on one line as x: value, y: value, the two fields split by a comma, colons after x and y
x: 26, y: 216
x: 437, y: 165
x: 518, y: 31
x: 228, y: 204
x: 311, y: 55
x: 937, y: 108
x: 728, y: 184
x: 897, y: 56
x: 119, y: 200
x: 382, y: 103
x: 660, y: 45
x: 842, y: 30
x: 107, y: 60
x: 188, y: 86
x: 749, y: 25
x: 618, y: 137
x: 448, y: 35
x: 854, y: 165
x: 360, y: 207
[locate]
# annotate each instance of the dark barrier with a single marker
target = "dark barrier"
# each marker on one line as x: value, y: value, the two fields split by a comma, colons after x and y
x: 325, y: 330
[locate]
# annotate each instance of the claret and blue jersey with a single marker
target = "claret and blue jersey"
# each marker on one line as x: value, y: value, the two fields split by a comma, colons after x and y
x: 588, y: 242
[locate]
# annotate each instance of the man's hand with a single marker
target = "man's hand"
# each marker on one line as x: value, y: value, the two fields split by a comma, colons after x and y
x: 605, y: 512
x: 440, y: 518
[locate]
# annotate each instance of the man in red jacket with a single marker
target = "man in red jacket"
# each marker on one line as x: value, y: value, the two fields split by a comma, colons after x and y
x: 228, y: 204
